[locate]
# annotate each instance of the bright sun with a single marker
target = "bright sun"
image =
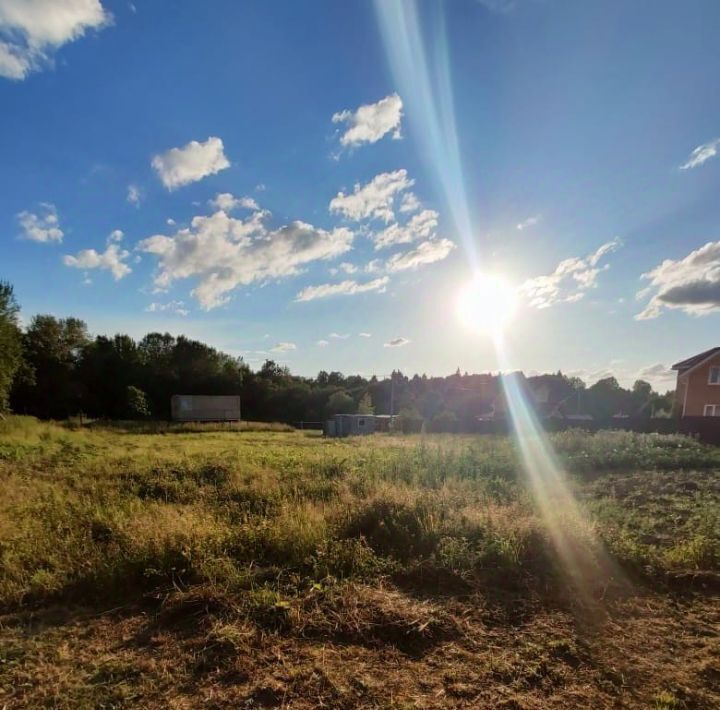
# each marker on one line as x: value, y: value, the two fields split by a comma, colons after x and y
x: 487, y: 304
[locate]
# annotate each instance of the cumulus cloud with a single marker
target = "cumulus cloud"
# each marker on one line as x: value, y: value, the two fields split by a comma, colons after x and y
x: 43, y: 227
x: 529, y: 222
x: 134, y: 195
x: 397, y: 343
x: 373, y: 200
x: 690, y: 284
x: 373, y: 267
x: 176, y: 307
x: 370, y: 122
x: 227, y: 202
x: 346, y: 268
x: 223, y: 253
x: 283, y: 347
x: 365, y: 335
x: 323, y: 343
x: 194, y: 161
x: 112, y: 260
x: 409, y: 202
x: 116, y: 235
x: 570, y: 281
x: 32, y: 31
x: 701, y: 154
x: 344, y: 288
x: 420, y: 226
x: 425, y: 253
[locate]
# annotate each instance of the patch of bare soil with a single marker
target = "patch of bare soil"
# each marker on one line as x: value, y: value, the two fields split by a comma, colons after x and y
x: 369, y: 647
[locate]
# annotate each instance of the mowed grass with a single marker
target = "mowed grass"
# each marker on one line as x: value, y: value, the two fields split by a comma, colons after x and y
x: 253, y: 538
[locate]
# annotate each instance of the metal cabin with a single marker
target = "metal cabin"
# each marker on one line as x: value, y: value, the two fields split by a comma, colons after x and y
x: 205, y: 408
x: 357, y: 424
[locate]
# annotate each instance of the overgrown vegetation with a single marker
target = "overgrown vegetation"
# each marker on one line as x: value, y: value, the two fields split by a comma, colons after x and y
x: 248, y: 541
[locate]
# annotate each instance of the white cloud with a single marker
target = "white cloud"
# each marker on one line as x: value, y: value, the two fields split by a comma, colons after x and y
x: 344, y: 288
x: 365, y: 335
x: 397, y: 343
x: 529, y: 222
x: 134, y: 196
x: 323, y: 343
x: 112, y: 259
x: 373, y: 200
x: 31, y: 31
x: 701, y: 154
x: 409, y: 202
x: 657, y: 373
x: 283, y: 347
x: 690, y: 284
x: 420, y: 226
x: 339, y: 336
x: 346, y: 268
x: 177, y: 307
x: 571, y: 279
x: 194, y: 161
x: 373, y: 267
x: 227, y: 202
x: 425, y: 253
x: 223, y: 253
x: 370, y: 122
x: 115, y: 236
x: 43, y: 227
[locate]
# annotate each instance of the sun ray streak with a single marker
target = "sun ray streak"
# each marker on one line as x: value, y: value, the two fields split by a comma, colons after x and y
x: 580, y: 553
x: 427, y: 92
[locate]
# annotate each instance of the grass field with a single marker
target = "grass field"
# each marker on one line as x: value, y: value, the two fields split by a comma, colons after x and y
x: 194, y: 567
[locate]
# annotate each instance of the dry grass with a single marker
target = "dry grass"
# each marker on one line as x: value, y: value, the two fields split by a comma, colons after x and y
x: 277, y: 569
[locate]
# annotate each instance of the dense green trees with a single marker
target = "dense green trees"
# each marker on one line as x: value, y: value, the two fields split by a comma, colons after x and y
x: 58, y: 370
x: 10, y: 342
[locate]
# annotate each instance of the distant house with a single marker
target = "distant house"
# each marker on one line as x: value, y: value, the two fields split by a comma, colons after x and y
x: 205, y: 408
x: 698, y: 384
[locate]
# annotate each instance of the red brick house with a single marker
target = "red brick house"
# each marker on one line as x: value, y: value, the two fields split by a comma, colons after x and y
x: 698, y: 384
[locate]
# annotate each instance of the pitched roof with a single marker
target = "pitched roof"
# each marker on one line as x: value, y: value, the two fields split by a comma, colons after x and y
x: 694, y: 360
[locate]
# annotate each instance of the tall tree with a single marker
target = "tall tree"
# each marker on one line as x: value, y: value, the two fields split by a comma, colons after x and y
x: 10, y: 342
x: 52, y: 348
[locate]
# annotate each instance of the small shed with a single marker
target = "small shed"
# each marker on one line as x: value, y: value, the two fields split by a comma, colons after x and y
x: 357, y: 424
x: 205, y: 408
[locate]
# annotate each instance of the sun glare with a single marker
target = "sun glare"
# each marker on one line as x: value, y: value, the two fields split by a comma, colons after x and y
x: 487, y: 304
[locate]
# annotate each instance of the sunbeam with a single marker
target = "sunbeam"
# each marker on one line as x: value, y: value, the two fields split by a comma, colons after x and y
x: 580, y: 553
x: 423, y: 78
x: 488, y: 303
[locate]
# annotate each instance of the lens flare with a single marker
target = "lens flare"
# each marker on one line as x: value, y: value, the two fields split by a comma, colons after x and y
x: 422, y: 75
x: 487, y: 304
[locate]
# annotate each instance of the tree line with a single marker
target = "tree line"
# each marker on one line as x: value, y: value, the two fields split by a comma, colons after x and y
x: 53, y: 369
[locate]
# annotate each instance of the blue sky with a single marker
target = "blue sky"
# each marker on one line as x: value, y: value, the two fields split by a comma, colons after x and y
x: 368, y: 158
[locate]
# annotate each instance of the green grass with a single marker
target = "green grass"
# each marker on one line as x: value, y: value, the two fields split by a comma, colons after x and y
x: 263, y: 533
x: 116, y: 510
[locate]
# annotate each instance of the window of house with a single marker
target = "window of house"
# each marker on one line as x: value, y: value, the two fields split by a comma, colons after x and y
x: 714, y: 376
x: 712, y: 410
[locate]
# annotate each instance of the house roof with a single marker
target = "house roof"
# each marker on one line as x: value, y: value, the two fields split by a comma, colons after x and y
x: 684, y: 365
